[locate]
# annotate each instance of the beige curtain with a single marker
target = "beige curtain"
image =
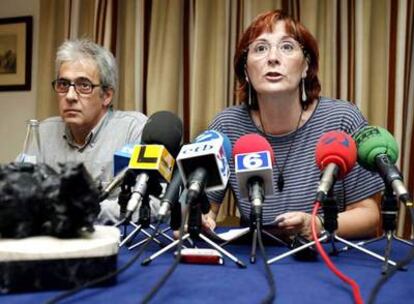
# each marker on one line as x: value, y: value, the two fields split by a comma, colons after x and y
x: 61, y: 20
x: 177, y: 55
x: 209, y: 62
x: 165, y: 60
x: 52, y: 31
x: 129, y: 54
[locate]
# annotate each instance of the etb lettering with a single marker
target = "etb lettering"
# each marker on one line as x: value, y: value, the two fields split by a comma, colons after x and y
x: 207, y: 136
x: 198, y: 148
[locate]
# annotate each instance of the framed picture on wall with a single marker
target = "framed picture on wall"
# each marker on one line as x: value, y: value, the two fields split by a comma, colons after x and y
x: 16, y: 53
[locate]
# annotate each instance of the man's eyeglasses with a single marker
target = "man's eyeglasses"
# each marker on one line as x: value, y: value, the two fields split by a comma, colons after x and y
x: 261, y: 48
x: 81, y: 85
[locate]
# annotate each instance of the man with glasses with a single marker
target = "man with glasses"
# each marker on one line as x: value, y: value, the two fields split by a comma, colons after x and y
x: 88, y: 129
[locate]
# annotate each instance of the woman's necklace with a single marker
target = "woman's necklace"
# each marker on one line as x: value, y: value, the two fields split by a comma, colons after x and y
x: 280, y: 178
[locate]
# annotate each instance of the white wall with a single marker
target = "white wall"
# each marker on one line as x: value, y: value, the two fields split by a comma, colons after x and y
x: 17, y: 107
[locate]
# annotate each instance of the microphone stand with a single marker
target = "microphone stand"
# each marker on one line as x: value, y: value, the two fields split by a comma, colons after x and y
x: 330, y: 211
x: 144, y: 219
x: 256, y: 227
x: 145, y: 222
x: 123, y: 198
x: 389, y: 209
x: 256, y: 197
x: 194, y: 233
x: 254, y: 232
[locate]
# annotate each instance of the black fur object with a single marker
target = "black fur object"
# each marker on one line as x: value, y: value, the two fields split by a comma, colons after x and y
x: 36, y: 200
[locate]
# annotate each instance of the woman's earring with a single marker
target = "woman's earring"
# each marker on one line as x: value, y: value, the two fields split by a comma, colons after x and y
x: 249, y: 102
x: 246, y: 77
x: 304, y: 97
x: 249, y: 89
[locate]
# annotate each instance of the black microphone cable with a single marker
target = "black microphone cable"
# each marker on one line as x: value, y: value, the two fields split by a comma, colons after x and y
x: 269, y: 275
x: 108, y: 276
x: 256, y: 196
x: 172, y: 268
x: 400, y: 265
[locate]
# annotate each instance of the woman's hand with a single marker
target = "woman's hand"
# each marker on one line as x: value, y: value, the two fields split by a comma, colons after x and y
x: 208, y: 222
x: 298, y: 223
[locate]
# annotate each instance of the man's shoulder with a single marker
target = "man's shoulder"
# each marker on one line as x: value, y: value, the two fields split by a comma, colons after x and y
x: 52, y: 130
x: 130, y: 123
x: 55, y: 122
x: 129, y: 116
x: 52, y: 120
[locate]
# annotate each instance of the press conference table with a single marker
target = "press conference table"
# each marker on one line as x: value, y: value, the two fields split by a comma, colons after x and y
x: 296, y: 281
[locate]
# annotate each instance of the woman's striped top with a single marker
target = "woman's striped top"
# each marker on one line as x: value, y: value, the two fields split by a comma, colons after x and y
x: 301, y: 174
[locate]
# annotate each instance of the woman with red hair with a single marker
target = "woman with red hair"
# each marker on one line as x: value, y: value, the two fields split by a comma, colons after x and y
x: 276, y: 63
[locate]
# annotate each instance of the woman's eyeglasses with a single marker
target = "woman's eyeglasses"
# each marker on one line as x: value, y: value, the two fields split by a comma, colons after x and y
x: 81, y: 85
x: 261, y: 48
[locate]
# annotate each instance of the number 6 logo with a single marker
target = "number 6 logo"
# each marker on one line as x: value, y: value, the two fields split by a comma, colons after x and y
x: 252, y: 161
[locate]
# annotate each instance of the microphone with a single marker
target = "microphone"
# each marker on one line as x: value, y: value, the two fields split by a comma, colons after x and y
x: 164, y: 128
x: 170, y: 202
x: 122, y: 157
x: 378, y: 151
x: 253, y: 159
x: 171, y: 196
x: 121, y: 160
x: 153, y: 161
x: 116, y: 181
x: 335, y: 155
x: 204, y: 164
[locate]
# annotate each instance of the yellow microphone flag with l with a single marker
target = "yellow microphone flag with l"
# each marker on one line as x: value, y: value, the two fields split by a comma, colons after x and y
x: 152, y: 158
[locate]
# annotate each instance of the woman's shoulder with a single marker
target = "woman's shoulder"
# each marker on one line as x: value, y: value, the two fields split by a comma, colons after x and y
x: 237, y: 112
x: 230, y: 117
x: 234, y: 110
x: 340, y: 111
x: 330, y: 104
x: 339, y: 108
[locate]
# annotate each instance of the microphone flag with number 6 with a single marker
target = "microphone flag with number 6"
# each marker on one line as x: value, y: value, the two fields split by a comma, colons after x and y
x: 206, y: 160
x: 378, y: 151
x: 335, y: 155
x: 253, y: 157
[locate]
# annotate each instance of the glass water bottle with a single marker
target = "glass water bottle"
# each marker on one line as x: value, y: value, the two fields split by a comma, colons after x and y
x: 31, y: 148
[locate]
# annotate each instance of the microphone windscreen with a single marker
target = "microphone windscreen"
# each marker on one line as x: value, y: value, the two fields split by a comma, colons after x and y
x: 336, y: 147
x: 209, y: 151
x: 173, y: 190
x: 122, y: 157
x: 253, y: 158
x: 226, y: 145
x: 251, y: 143
x: 373, y: 141
x: 209, y: 135
x: 164, y: 128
